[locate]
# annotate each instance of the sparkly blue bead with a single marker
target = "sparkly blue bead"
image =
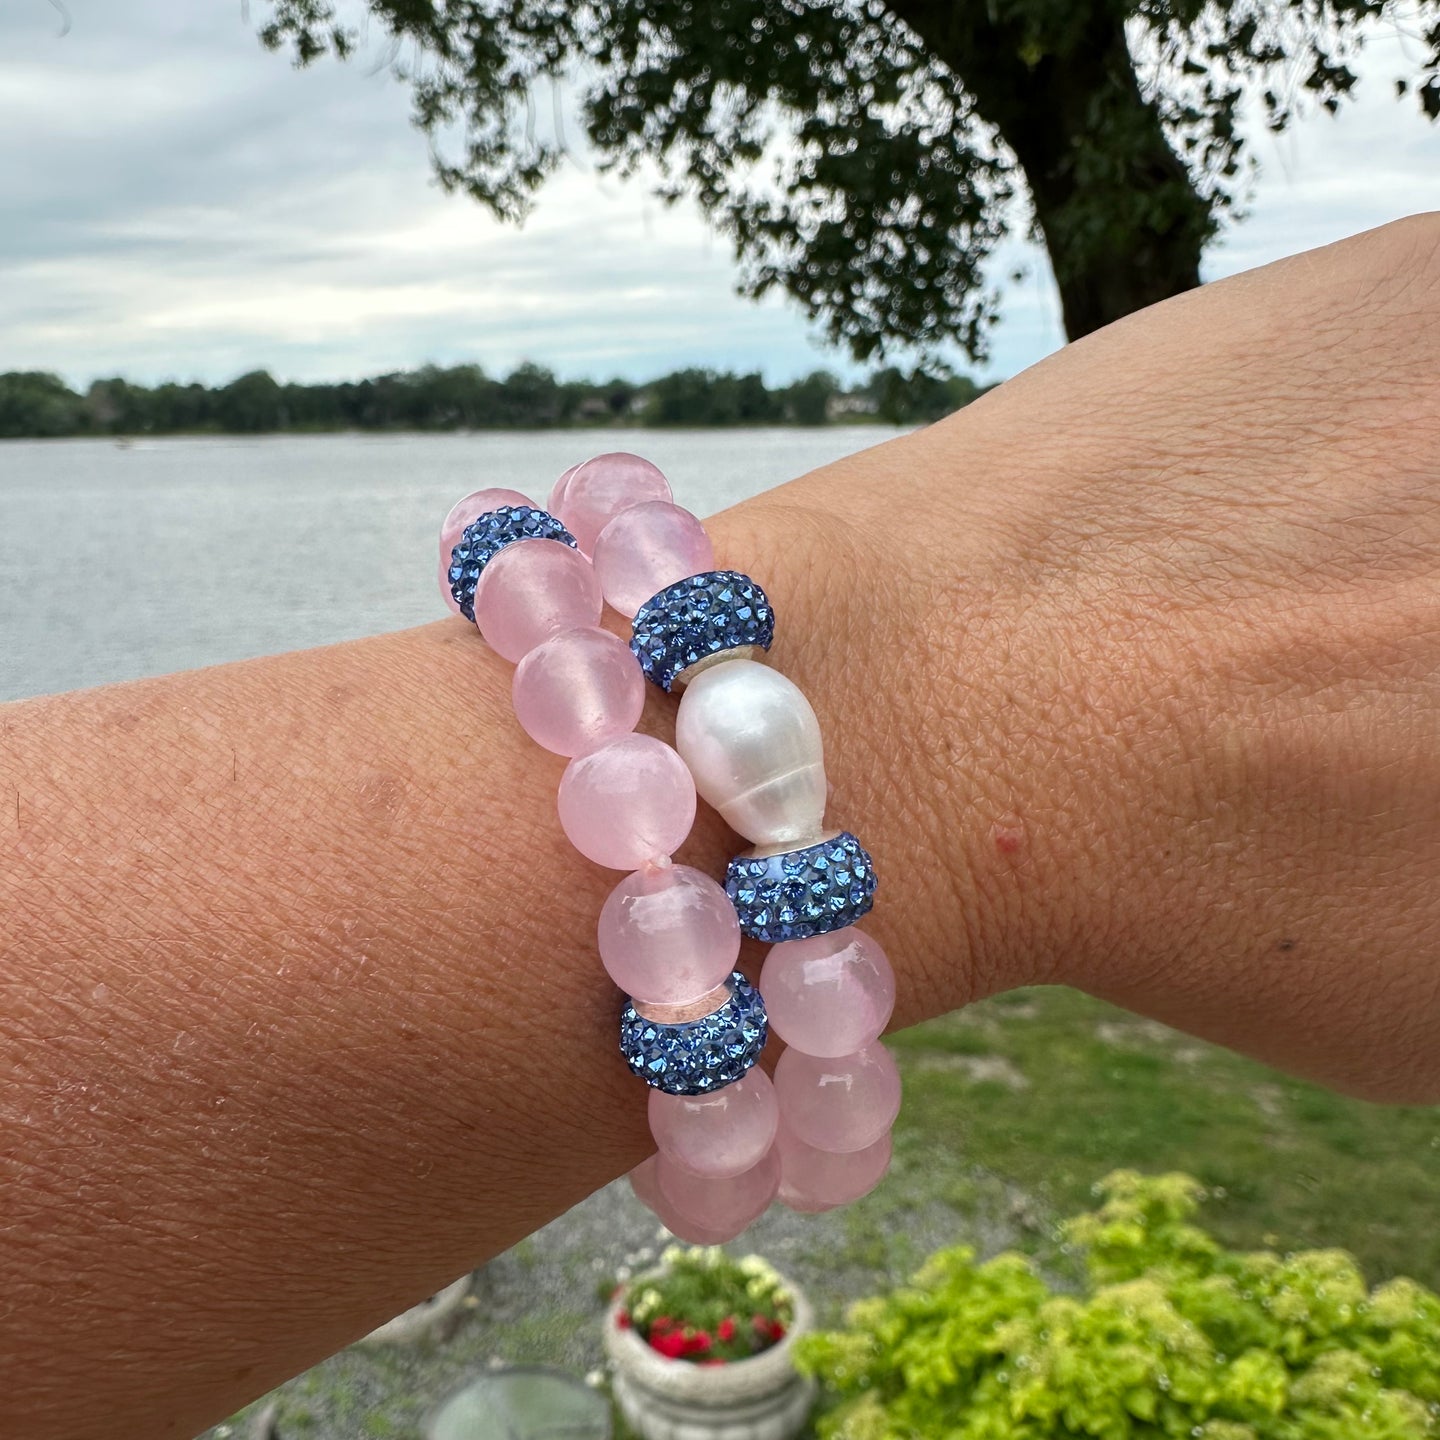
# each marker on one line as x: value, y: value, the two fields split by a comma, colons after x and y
x: 700, y: 616
x: 799, y: 893
x: 486, y: 536
x: 700, y: 1055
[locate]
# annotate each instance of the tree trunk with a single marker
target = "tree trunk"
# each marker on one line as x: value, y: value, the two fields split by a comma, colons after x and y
x: 1123, y: 225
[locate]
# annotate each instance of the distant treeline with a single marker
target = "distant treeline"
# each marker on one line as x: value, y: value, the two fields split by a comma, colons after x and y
x: 464, y: 397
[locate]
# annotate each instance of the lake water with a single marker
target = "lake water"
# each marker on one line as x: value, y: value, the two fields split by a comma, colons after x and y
x: 121, y: 562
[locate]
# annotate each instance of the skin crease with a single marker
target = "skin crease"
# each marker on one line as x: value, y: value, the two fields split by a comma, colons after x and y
x: 1128, y: 677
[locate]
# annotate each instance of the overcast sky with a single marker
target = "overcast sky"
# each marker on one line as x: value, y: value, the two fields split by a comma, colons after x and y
x: 177, y: 203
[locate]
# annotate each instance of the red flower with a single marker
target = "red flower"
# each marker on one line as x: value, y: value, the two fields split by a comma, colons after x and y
x: 699, y: 1341
x: 622, y: 1319
x: 714, y: 1360
x: 761, y: 1324
x: 670, y: 1345
x: 777, y: 1331
x: 661, y: 1325
x: 726, y: 1329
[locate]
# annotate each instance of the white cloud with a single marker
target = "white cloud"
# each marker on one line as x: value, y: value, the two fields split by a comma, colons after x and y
x: 178, y: 203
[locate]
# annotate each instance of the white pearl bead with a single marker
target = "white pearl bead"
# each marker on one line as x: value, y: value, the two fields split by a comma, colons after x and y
x: 752, y: 742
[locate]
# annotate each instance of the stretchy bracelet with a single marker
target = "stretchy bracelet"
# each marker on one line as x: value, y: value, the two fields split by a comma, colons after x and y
x: 729, y: 1140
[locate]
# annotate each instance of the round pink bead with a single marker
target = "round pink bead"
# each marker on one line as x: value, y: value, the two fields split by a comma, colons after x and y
x: 668, y: 934
x: 601, y: 488
x: 839, y: 1105
x: 532, y: 590
x: 628, y: 803
x: 829, y: 995
x: 643, y: 1182
x: 557, y: 491
x: 472, y: 507
x: 647, y: 547
x: 726, y: 1205
x: 647, y: 1191
x: 721, y: 1134
x: 578, y: 689
x: 812, y: 1180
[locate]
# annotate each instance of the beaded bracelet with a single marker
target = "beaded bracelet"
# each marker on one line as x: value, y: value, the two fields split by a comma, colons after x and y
x: 728, y: 1139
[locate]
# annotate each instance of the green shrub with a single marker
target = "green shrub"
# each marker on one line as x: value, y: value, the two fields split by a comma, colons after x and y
x: 1171, y: 1335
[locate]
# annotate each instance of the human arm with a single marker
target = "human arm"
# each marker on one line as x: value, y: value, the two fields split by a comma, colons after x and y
x: 1128, y: 677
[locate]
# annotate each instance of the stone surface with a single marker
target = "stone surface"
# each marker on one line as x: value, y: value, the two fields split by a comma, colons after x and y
x: 668, y: 934
x: 829, y: 995
x: 647, y: 547
x: 840, y: 1105
x: 725, y: 1205
x: 814, y: 1180
x: 577, y: 690
x: 532, y: 590
x: 600, y: 488
x: 628, y: 803
x: 719, y: 1134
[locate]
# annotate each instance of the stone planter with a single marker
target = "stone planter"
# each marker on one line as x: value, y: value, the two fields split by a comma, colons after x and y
x: 762, y: 1398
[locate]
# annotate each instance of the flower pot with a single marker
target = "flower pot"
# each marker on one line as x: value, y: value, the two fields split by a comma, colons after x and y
x: 762, y: 1398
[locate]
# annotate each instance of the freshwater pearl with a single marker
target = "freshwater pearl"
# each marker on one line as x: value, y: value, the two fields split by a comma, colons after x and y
x: 726, y: 1205
x: 532, y: 590
x: 668, y: 934
x: 720, y: 1134
x: 829, y: 995
x: 597, y: 491
x: 812, y: 1180
x: 628, y: 802
x: 474, y: 505
x: 647, y: 547
x: 753, y: 744
x: 578, y: 689
x: 839, y: 1105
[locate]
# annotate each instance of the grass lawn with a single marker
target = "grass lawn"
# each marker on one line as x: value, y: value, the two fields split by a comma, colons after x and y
x: 1048, y: 1089
x: 1013, y: 1109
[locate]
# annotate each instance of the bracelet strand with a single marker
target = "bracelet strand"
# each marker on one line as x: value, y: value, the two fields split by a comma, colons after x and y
x: 729, y: 1140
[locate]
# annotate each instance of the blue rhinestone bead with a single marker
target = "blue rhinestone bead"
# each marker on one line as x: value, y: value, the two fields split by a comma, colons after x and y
x: 799, y: 893
x: 702, y: 1055
x: 696, y: 617
x: 486, y: 536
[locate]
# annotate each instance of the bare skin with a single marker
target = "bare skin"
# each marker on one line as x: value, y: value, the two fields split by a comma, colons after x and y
x: 1128, y: 675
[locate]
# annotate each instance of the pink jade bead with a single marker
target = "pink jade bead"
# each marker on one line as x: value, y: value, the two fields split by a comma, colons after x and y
x: 721, y: 1134
x: 829, y: 995
x: 597, y: 491
x: 628, y: 803
x: 840, y: 1105
x: 647, y: 1191
x: 647, y: 547
x: 813, y: 1180
x: 727, y: 1205
x: 472, y: 507
x: 577, y: 690
x: 557, y: 491
x: 668, y: 934
x: 532, y: 590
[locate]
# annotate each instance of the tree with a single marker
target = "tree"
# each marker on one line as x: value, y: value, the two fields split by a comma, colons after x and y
x: 807, y: 401
x: 865, y: 157
x: 252, y: 404
x: 34, y: 402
